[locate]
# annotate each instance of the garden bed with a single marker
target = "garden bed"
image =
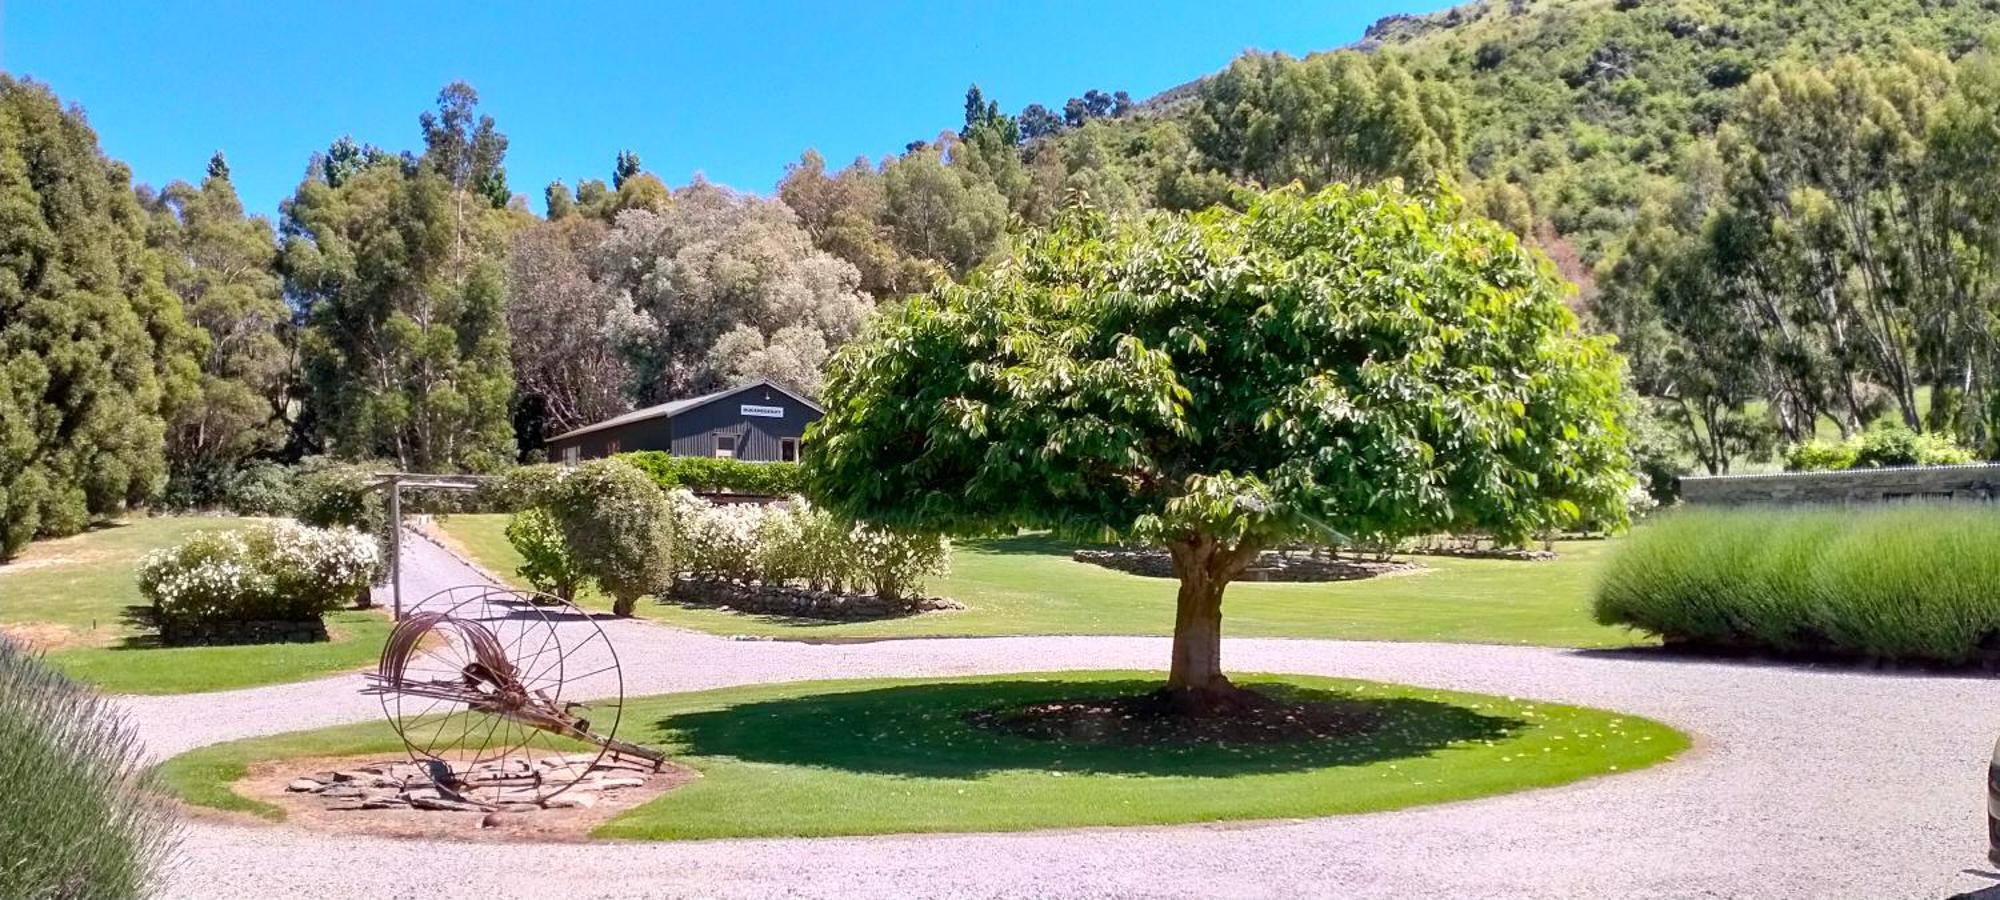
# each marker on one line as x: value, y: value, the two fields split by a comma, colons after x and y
x: 342, y: 803
x: 803, y: 603
x: 1270, y: 566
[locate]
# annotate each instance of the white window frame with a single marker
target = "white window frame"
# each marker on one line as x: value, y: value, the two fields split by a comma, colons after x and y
x: 730, y: 453
x: 572, y: 454
x: 790, y: 444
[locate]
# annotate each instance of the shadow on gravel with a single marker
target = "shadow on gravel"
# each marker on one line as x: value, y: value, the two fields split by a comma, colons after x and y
x: 1800, y: 663
x: 924, y: 731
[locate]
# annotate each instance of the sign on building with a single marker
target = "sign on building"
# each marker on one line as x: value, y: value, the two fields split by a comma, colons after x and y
x: 766, y: 412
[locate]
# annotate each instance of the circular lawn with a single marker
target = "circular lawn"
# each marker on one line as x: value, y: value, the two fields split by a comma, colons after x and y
x: 1052, y: 750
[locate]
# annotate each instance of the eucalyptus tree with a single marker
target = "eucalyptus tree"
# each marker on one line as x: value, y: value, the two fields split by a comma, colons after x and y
x: 1335, y: 117
x: 399, y: 268
x: 1352, y: 362
x: 223, y: 266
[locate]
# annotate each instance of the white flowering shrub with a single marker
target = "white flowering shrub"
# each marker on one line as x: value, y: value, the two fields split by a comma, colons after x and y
x: 798, y: 543
x: 715, y: 541
x: 267, y: 572
x: 894, y: 564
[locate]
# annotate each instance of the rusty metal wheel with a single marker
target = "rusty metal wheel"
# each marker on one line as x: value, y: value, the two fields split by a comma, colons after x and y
x: 480, y: 683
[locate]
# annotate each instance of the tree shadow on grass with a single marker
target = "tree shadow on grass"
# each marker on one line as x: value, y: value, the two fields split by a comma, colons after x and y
x: 922, y: 731
x: 1034, y: 544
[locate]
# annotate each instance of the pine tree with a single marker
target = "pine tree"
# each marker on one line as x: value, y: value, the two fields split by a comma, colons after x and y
x: 94, y: 352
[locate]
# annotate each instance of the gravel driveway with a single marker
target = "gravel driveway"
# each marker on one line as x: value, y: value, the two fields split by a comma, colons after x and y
x: 1803, y: 783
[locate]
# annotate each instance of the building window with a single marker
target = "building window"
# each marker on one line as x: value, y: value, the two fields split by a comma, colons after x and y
x: 788, y: 449
x: 725, y: 446
x: 611, y: 447
x: 570, y: 454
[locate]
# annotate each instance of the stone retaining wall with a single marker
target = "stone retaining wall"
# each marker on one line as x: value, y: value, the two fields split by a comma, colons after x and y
x: 786, y: 600
x: 223, y: 634
x: 1269, y: 566
x: 1977, y: 482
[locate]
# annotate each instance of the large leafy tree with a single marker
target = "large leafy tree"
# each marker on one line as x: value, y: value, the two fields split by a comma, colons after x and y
x: 846, y: 213
x: 566, y: 325
x: 399, y: 267
x: 95, y: 354
x: 727, y: 286
x: 1351, y: 362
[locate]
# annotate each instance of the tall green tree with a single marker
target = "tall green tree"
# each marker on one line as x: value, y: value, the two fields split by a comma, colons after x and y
x: 223, y: 266
x: 95, y: 355
x: 1352, y: 362
x: 399, y: 266
x: 565, y: 321
x: 941, y: 209
x: 846, y: 215
x: 726, y: 287
x: 1336, y: 117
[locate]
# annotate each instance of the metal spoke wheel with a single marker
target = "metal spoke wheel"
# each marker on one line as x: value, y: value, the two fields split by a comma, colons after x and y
x: 479, y: 682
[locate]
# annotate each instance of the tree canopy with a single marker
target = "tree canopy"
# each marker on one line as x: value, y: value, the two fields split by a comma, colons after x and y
x: 96, y: 354
x: 1354, y: 362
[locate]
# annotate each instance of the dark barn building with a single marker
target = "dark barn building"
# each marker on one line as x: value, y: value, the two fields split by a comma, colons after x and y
x: 759, y: 422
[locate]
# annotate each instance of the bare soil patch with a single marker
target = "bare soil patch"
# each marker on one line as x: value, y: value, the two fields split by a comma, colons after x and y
x: 268, y: 781
x: 47, y: 637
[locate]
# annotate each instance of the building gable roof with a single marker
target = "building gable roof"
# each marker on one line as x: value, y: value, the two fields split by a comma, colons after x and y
x: 676, y: 407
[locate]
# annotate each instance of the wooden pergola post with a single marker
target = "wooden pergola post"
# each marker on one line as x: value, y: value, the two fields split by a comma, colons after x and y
x: 394, y: 482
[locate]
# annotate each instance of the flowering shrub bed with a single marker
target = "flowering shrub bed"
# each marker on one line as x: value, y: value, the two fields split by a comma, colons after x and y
x: 798, y: 543
x: 274, y: 572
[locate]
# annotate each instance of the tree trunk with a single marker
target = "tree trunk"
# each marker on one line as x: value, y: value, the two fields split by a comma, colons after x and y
x: 1197, y: 663
x: 622, y: 606
x: 1195, y: 683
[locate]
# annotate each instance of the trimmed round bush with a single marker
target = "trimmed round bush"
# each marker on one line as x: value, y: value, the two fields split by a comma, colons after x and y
x: 261, y: 488
x: 1915, y: 582
x: 82, y: 815
x: 615, y: 523
x: 545, y: 558
x: 339, y: 496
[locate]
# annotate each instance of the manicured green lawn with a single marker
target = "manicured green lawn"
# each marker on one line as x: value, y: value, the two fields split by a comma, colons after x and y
x: 892, y: 756
x: 1029, y: 585
x: 70, y: 597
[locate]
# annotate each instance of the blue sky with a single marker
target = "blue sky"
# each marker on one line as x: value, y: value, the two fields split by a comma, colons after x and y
x: 733, y: 90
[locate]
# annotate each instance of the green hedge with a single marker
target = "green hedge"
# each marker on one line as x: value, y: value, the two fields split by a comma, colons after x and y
x: 1917, y: 582
x: 1878, y: 447
x: 701, y: 473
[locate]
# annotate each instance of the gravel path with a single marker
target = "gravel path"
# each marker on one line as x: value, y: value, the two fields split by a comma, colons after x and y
x: 1803, y: 783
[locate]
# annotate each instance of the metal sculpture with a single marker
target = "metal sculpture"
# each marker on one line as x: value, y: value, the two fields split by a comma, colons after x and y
x: 477, y: 682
